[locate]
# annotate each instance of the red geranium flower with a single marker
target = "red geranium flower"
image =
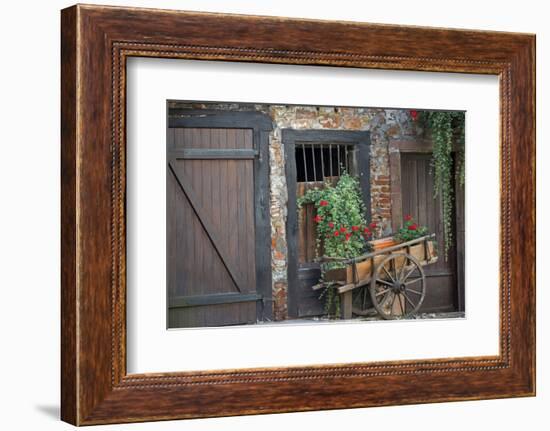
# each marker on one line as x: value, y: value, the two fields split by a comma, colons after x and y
x: 323, y: 203
x: 348, y: 236
x: 330, y: 224
x: 366, y: 230
x: 413, y: 226
x: 373, y: 225
x: 414, y: 114
x: 343, y: 229
x: 355, y: 228
x: 336, y: 233
x: 318, y: 218
x: 408, y: 217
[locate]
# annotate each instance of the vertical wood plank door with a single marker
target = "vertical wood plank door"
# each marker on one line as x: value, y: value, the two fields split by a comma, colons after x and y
x: 313, y: 157
x: 212, y: 229
x: 445, y: 277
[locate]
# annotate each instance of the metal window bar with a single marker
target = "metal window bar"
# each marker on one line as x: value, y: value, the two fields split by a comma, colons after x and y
x: 322, y: 163
x: 313, y: 154
x: 346, y: 160
x: 330, y: 154
x: 338, y: 148
x: 305, y: 162
x: 314, y: 162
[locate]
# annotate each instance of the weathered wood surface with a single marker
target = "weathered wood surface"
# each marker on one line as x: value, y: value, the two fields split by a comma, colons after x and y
x: 210, y: 226
x: 307, y: 228
x: 444, y: 278
x: 359, y: 273
x: 96, y: 41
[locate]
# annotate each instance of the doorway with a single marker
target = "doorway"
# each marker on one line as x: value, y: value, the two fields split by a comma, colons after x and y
x: 217, y: 225
x: 313, y: 157
x: 445, y: 278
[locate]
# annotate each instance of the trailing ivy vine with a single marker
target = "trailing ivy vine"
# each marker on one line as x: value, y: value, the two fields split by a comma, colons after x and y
x: 446, y: 127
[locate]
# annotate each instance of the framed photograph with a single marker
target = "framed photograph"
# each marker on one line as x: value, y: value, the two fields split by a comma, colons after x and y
x: 267, y: 215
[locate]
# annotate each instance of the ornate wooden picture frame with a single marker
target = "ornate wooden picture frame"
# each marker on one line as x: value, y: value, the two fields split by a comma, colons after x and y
x: 96, y: 41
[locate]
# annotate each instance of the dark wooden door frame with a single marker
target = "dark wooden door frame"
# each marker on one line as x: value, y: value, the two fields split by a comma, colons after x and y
x: 261, y: 126
x: 289, y: 138
x: 395, y: 148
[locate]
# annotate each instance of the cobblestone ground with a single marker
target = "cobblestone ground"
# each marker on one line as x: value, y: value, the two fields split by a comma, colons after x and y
x: 374, y: 317
x: 421, y: 316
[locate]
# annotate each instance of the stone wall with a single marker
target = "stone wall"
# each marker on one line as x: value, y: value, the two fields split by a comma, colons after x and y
x: 383, y: 124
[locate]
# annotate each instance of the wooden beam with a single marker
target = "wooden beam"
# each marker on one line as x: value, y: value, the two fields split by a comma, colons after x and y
x: 213, y: 299
x: 197, y: 118
x: 212, y: 154
x: 347, y: 287
x: 346, y: 305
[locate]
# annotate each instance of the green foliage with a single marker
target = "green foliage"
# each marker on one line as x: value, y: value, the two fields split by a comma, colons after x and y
x: 410, y: 230
x: 445, y: 127
x: 342, y: 230
x: 332, y: 300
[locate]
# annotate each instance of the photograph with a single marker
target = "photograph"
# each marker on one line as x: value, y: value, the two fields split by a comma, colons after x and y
x: 275, y: 209
x: 296, y: 214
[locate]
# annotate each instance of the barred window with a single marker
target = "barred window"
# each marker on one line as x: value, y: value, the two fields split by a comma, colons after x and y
x: 315, y: 162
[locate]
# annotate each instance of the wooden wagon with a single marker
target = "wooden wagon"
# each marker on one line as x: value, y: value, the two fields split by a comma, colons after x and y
x: 389, y: 280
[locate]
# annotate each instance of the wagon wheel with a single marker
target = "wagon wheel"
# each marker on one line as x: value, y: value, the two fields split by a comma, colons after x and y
x: 398, y: 286
x: 361, y: 302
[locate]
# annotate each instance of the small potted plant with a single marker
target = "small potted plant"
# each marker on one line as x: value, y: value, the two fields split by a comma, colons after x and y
x: 410, y: 230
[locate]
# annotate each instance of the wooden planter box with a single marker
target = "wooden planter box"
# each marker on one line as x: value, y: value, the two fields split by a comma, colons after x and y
x: 364, y: 269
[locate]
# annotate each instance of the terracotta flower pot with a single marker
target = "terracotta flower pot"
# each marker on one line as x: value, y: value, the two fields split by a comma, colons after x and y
x: 383, y: 243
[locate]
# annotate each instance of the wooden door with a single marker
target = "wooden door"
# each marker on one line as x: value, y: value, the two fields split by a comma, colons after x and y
x: 216, y: 225
x: 444, y: 278
x: 313, y: 157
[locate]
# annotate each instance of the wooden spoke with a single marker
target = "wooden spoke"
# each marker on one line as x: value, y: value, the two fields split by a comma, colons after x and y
x: 409, y: 273
x: 386, y: 297
x: 394, y: 266
x: 414, y: 291
x: 400, y: 304
x: 414, y: 281
x: 382, y: 281
x: 382, y: 292
x: 387, y: 272
x: 403, y: 269
x: 409, y: 300
x: 392, y: 303
x: 361, y: 305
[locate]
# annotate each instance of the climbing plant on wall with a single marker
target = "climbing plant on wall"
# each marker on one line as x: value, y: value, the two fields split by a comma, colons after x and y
x: 445, y: 127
